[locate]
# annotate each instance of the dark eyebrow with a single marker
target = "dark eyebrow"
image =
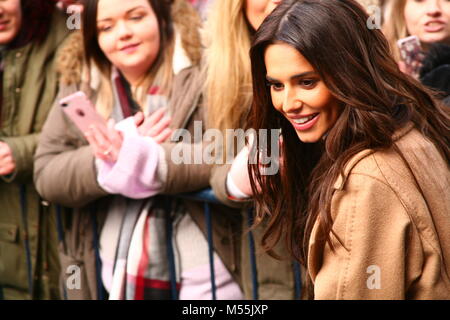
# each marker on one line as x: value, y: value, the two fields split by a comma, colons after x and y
x: 301, y: 75
x: 108, y: 19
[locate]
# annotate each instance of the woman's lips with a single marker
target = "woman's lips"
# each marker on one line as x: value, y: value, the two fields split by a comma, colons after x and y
x: 3, y: 25
x: 130, y: 48
x: 307, y: 125
x: 434, y: 26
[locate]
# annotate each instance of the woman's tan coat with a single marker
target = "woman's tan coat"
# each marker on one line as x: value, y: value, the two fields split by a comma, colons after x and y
x: 394, y: 225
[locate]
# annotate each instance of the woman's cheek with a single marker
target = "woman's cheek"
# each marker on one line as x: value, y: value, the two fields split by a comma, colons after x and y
x: 105, y: 42
x: 322, y: 97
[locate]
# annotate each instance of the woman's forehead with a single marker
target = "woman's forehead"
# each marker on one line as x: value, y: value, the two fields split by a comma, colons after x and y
x: 109, y: 9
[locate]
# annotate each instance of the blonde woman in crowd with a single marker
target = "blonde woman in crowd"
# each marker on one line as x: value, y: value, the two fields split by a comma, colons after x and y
x: 429, y: 20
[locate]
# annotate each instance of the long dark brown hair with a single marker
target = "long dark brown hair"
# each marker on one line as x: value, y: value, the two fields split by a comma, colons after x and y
x: 357, y: 67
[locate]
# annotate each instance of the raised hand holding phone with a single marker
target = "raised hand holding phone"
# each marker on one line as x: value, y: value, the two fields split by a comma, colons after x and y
x: 102, y: 135
x: 82, y: 112
x: 412, y: 56
x: 106, y: 145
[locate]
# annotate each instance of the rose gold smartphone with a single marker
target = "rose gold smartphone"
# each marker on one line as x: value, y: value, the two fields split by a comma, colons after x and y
x: 82, y: 112
x: 411, y: 53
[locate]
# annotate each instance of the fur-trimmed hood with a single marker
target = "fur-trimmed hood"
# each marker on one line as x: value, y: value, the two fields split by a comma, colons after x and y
x: 70, y: 60
x: 187, y: 23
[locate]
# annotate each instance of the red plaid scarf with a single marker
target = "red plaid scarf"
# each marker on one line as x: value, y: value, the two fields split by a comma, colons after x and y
x: 145, y: 267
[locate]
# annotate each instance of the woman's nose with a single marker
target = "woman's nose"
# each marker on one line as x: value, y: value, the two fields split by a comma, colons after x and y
x: 123, y: 31
x: 434, y: 8
x: 291, y: 103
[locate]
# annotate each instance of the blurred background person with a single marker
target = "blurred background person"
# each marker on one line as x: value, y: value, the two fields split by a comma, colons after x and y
x: 31, y: 31
x: 202, y: 6
x: 429, y: 20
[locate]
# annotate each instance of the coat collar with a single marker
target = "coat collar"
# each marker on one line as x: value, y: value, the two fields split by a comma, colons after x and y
x: 342, y: 178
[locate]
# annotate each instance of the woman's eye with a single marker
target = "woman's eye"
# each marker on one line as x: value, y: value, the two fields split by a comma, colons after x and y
x: 275, y: 86
x: 104, y: 28
x: 136, y: 18
x: 308, y: 83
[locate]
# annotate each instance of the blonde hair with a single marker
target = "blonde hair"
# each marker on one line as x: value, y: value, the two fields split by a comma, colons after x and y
x: 394, y: 27
x: 228, y: 74
x: 161, y: 77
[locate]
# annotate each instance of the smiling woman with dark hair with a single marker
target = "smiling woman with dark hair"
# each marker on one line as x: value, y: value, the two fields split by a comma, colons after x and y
x: 28, y: 263
x: 363, y: 196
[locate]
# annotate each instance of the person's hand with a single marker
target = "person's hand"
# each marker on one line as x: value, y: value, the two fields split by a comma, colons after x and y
x: 412, y: 70
x: 239, y: 169
x: 156, y: 125
x: 106, y: 145
x: 239, y: 172
x: 402, y: 67
x: 7, y: 162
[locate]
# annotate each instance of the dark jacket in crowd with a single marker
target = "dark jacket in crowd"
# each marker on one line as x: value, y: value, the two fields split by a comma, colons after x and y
x: 435, y: 72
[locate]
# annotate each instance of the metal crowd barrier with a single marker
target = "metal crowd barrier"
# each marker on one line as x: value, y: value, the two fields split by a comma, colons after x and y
x: 207, y: 197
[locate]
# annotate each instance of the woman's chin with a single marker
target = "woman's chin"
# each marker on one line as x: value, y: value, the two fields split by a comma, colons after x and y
x: 7, y: 37
x: 435, y: 38
x: 310, y: 137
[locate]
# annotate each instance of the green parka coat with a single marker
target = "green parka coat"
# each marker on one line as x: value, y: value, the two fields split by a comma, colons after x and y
x: 29, y: 265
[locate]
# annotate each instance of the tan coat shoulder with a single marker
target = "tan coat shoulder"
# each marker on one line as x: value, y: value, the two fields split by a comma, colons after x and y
x: 392, y: 217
